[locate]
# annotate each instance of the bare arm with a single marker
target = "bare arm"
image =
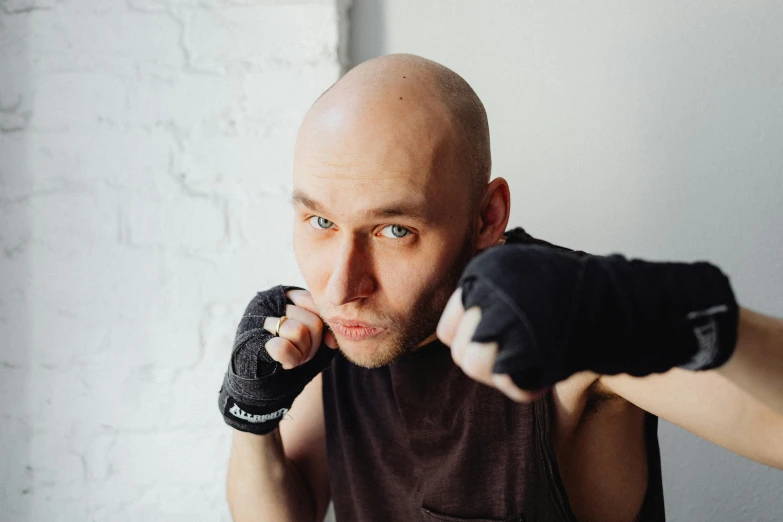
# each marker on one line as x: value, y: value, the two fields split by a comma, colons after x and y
x: 757, y: 363
x: 282, y: 476
x: 710, y: 406
x: 262, y: 484
x: 738, y: 406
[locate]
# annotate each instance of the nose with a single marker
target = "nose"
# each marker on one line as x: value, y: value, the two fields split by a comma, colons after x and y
x: 351, y: 277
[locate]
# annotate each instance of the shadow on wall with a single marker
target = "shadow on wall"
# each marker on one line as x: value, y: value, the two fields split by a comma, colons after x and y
x: 367, y: 33
x: 16, y: 472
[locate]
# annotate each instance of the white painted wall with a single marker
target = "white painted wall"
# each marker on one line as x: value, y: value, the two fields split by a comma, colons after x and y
x: 145, y: 154
x: 651, y: 128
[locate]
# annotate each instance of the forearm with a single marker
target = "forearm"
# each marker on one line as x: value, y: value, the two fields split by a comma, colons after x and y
x: 262, y: 484
x: 757, y: 363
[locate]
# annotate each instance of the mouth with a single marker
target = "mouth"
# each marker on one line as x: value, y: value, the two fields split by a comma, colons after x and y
x: 354, y: 330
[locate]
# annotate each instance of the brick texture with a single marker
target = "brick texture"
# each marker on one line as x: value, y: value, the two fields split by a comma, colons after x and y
x: 145, y: 155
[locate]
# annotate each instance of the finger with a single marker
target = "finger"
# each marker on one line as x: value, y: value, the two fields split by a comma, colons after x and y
x: 478, y: 360
x: 450, y: 318
x: 283, y: 351
x: 303, y: 299
x: 464, y: 333
x: 329, y: 339
x: 313, y: 323
x: 504, y: 383
x: 294, y: 331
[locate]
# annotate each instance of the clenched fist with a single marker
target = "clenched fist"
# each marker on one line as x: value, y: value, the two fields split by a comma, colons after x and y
x: 299, y: 337
x: 266, y: 372
x: 456, y: 329
x: 528, y: 316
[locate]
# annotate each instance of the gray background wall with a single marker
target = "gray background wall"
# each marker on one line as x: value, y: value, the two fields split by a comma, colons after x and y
x: 651, y: 128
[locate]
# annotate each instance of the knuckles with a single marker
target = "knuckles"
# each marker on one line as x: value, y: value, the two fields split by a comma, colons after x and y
x: 301, y: 333
x: 473, y: 372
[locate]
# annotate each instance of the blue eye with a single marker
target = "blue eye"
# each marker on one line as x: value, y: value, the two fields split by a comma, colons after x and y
x: 321, y: 223
x: 397, y: 231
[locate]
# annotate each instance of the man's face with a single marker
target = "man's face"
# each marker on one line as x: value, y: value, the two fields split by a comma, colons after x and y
x: 382, y: 233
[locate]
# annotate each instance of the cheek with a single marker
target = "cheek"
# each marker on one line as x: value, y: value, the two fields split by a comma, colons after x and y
x: 311, y: 261
x: 405, y: 279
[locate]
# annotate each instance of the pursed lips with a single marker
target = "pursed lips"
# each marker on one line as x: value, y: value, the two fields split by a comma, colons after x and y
x: 353, y: 329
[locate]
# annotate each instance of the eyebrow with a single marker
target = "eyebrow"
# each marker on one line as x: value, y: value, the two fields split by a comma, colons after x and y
x: 405, y: 209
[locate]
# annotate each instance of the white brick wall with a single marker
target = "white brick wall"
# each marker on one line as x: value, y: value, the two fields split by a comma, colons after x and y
x: 145, y: 153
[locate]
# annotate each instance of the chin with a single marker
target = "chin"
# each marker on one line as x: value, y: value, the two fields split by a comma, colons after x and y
x: 370, y: 354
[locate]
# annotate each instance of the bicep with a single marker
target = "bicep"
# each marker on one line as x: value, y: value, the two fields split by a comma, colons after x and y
x: 304, y: 441
x: 710, y: 406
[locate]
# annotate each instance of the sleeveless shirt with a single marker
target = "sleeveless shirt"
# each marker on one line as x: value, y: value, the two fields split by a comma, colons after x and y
x: 418, y: 440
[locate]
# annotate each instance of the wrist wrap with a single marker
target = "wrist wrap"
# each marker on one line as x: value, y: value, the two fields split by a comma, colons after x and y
x: 554, y: 313
x: 257, y: 392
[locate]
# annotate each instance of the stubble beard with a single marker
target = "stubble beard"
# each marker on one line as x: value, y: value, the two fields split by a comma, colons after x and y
x: 422, y: 321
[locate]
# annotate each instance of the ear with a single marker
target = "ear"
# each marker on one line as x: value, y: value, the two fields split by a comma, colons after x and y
x: 493, y: 213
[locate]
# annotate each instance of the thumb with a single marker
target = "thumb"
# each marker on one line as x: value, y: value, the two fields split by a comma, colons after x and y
x: 329, y: 339
x: 450, y: 319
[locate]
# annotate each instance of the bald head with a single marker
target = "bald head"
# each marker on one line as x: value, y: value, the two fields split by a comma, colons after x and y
x: 412, y: 102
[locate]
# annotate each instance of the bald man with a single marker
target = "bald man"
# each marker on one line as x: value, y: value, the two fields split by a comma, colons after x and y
x: 393, y: 199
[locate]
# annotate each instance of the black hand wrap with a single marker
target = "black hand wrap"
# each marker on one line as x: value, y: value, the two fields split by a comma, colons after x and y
x: 554, y: 313
x: 257, y: 392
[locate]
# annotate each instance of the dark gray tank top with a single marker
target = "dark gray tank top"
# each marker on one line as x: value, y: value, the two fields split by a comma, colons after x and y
x: 418, y: 440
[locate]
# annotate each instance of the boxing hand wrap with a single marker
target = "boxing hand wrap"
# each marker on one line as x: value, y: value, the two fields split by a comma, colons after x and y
x: 257, y: 392
x: 554, y: 313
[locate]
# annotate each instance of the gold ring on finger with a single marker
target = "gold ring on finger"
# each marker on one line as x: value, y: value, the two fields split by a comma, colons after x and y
x: 277, y: 326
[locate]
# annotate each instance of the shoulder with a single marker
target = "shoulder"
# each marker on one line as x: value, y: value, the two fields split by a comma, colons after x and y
x: 518, y: 235
x: 584, y: 394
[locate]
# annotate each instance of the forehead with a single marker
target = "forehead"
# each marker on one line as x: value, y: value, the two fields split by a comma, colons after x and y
x: 378, y: 154
x: 366, y: 194
x: 358, y: 176
x: 416, y: 209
